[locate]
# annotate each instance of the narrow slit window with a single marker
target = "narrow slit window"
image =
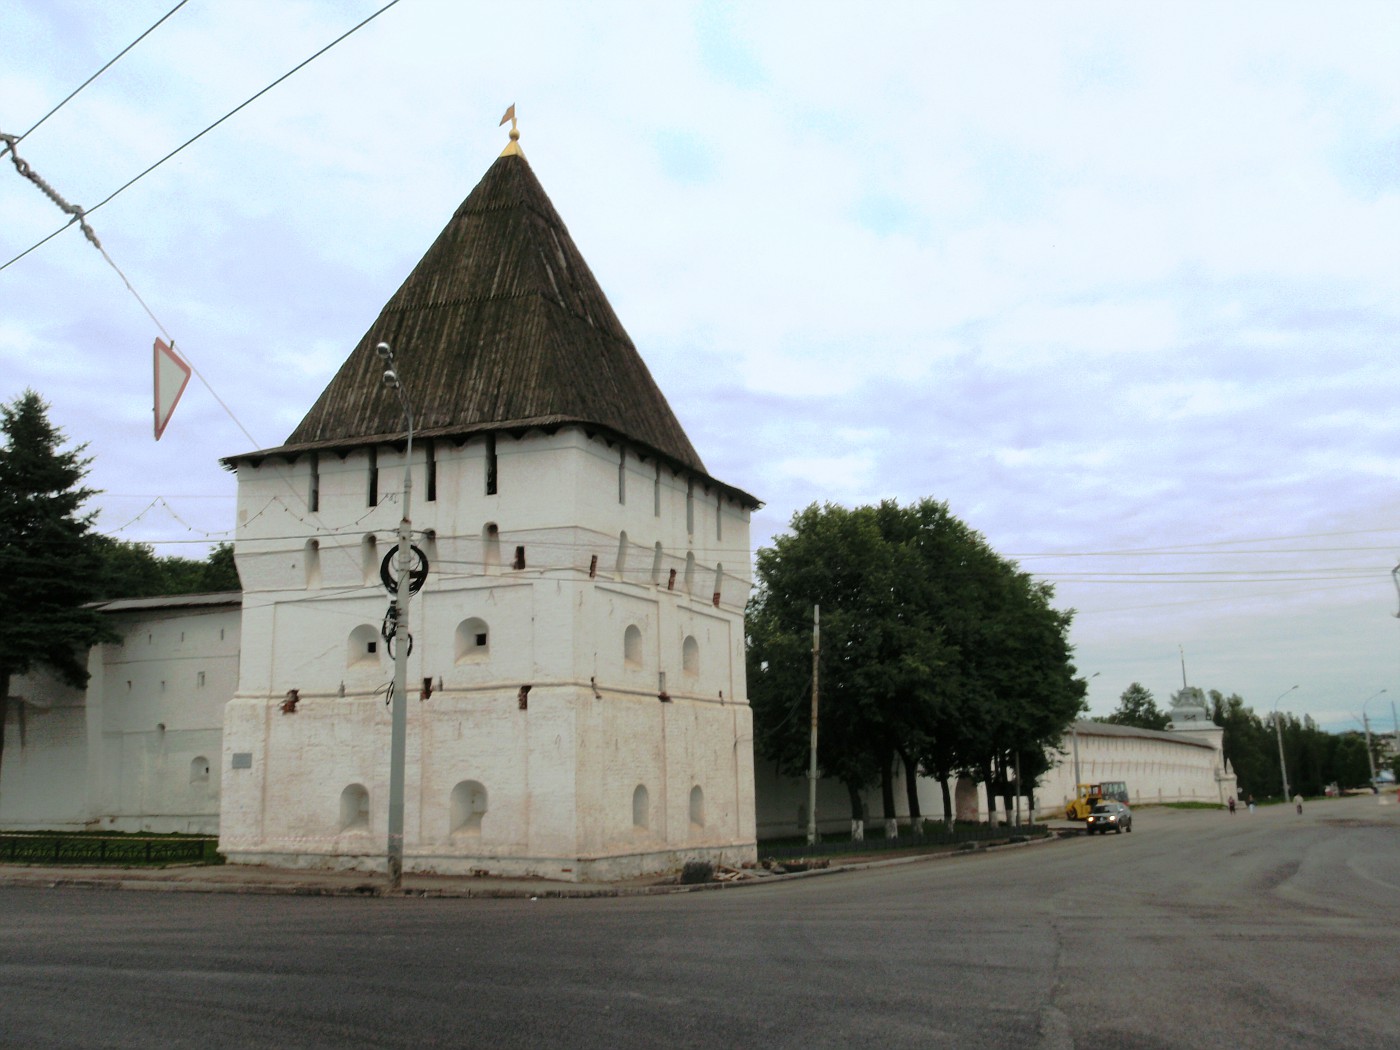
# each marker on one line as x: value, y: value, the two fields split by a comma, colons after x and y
x: 622, y: 475
x: 719, y: 516
x: 373, y: 477
x: 313, y: 496
x: 430, y: 470
x: 491, y: 476
x: 656, y: 492
x: 690, y: 506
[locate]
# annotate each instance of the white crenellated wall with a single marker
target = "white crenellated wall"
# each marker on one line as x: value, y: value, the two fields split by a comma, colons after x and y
x: 546, y: 787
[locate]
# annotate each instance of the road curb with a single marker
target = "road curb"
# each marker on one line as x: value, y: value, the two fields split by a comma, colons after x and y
x: 46, y: 879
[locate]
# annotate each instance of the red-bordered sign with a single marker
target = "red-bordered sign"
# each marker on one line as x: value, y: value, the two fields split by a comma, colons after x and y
x: 172, y: 375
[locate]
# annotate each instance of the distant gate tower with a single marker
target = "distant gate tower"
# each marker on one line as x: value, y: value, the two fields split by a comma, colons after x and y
x: 577, y: 701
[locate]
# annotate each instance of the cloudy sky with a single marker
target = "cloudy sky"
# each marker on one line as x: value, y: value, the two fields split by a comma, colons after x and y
x: 1120, y: 283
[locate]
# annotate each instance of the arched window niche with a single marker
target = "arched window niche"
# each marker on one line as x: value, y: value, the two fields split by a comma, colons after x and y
x: 354, y: 809
x: 690, y: 573
x: 620, y: 568
x: 363, y: 647
x: 473, y: 643
x: 199, y: 770
x: 641, y: 808
x: 632, y: 646
x: 311, y: 559
x: 491, y: 547
x: 467, y: 807
x: 369, y: 558
x: 697, y: 807
x: 690, y: 655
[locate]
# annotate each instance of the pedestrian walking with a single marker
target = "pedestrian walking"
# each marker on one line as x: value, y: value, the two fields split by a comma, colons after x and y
x: 1232, y: 805
x: 1298, y: 802
x: 1251, y: 803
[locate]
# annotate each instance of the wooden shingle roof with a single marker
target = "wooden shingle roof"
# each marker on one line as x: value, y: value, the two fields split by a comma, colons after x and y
x: 500, y: 327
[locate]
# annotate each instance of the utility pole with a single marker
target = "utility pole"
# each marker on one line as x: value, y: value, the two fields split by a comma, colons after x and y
x: 398, y: 731
x: 812, y: 771
x: 1370, y: 759
x: 1278, y: 731
x: 1370, y: 755
x: 1018, y: 787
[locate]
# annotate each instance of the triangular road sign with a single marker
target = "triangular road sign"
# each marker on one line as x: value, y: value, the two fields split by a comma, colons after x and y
x: 172, y: 375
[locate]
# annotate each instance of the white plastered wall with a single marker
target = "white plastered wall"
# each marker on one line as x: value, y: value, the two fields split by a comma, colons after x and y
x: 138, y: 750
x: 556, y: 777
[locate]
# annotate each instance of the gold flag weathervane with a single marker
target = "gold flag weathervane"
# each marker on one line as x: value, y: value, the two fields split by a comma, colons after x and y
x: 514, y: 148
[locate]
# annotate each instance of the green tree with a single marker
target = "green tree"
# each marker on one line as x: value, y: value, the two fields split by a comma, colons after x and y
x: 937, y: 654
x: 220, y: 572
x: 134, y: 570
x: 1137, y: 707
x: 50, y: 558
x: 836, y: 559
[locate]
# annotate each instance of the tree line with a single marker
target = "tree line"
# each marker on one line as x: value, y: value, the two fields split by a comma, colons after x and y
x: 938, y: 656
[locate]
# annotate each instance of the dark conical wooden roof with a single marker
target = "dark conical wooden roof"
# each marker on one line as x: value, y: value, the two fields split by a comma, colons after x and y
x: 500, y: 326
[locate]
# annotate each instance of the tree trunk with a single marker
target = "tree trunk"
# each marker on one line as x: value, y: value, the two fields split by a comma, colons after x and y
x: 1008, y: 790
x: 857, y: 813
x: 911, y: 790
x: 947, y: 801
x: 887, y: 785
x: 4, y: 711
x: 989, y: 784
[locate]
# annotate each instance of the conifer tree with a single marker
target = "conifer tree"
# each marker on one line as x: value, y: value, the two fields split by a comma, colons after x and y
x: 49, y: 559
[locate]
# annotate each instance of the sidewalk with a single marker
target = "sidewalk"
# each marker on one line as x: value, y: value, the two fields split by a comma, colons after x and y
x: 241, y: 878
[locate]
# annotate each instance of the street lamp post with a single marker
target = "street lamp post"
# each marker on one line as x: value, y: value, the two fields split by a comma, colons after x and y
x: 1278, y: 731
x: 1366, y: 724
x: 1074, y: 739
x: 398, y: 731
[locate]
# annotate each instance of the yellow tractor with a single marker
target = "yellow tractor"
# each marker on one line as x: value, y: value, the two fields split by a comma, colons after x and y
x: 1086, y: 797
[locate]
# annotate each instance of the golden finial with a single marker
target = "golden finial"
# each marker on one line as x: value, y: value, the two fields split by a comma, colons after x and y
x: 514, y: 148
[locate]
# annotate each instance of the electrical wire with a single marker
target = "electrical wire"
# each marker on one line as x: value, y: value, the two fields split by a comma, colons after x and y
x: 189, y: 142
x: 8, y: 146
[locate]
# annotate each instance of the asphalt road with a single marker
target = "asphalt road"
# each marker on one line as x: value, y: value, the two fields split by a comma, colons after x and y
x: 1197, y: 930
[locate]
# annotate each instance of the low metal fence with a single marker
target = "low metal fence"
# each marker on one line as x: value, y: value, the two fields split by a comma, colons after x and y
x: 118, y: 850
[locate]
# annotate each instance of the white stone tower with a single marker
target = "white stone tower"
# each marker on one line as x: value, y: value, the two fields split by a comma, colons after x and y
x: 577, y: 706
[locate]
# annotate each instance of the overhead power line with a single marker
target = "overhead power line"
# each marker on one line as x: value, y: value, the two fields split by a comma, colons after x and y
x: 20, y: 138
x: 193, y: 139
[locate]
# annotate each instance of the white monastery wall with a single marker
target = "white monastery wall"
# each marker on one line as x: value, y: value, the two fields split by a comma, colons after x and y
x: 1167, y: 766
x: 139, y: 750
x: 43, y: 775
x: 1175, y: 766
